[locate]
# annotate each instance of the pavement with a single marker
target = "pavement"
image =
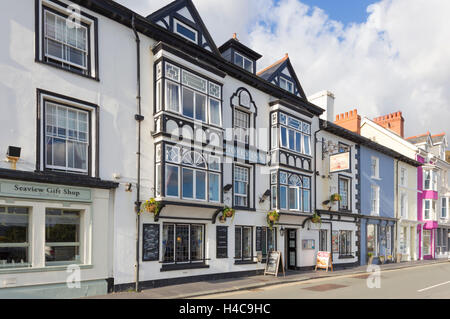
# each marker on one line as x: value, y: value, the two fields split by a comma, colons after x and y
x: 210, y: 287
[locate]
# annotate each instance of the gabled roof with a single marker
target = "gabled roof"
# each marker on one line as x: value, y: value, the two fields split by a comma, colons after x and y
x: 359, y: 139
x: 283, y: 66
x: 438, y: 138
x: 238, y: 46
x: 185, y: 12
x: 419, y: 139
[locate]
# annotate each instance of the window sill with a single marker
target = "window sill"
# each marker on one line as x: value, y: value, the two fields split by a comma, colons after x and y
x: 40, y: 269
x: 375, y: 178
x: 174, y: 267
x: 346, y: 256
x: 245, y: 262
x: 70, y: 71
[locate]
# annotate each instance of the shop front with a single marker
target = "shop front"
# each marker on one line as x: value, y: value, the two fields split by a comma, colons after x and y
x: 48, y: 233
x: 377, y: 236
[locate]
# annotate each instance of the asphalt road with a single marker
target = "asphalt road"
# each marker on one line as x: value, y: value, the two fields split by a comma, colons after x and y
x: 423, y: 282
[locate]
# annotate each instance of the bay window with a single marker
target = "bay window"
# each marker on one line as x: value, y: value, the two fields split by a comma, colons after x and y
x: 67, y: 137
x: 14, y: 237
x: 62, y: 236
x: 295, y: 135
x: 295, y: 192
x: 444, y: 206
x: 243, y: 242
x: 183, y: 243
x: 187, y: 175
x: 190, y: 95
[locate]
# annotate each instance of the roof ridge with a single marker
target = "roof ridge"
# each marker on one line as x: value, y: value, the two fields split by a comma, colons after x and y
x: 436, y: 135
x: 420, y: 135
x: 272, y: 65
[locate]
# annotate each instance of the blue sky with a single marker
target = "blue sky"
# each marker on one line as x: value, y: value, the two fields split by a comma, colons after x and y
x: 345, y: 11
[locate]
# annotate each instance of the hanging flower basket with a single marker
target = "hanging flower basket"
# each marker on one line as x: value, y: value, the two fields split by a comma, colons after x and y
x: 227, y: 213
x: 335, y: 197
x: 272, y: 217
x: 151, y: 206
x: 316, y: 219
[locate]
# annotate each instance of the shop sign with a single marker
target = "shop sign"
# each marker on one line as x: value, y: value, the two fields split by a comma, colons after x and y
x: 339, y: 162
x: 44, y: 191
x: 323, y: 260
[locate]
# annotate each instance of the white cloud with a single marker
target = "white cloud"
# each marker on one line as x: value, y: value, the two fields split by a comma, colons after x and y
x: 399, y: 59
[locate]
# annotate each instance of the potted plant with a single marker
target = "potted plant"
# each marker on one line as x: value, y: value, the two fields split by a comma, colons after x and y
x: 272, y: 217
x: 335, y: 197
x: 382, y: 259
x: 151, y: 206
x: 370, y: 255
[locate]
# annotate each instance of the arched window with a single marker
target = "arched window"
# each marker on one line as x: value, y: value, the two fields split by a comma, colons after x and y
x: 194, y: 158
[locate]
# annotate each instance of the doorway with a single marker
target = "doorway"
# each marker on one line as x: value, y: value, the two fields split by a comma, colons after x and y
x: 292, y: 249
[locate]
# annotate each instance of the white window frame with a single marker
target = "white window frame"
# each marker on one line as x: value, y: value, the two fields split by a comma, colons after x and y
x: 377, y: 167
x: 247, y: 184
x: 166, y: 97
x: 403, y: 176
x: 209, y: 111
x: 430, y: 209
x: 243, y: 62
x: 178, y: 167
x: 27, y: 244
x: 176, y: 22
x: 195, y: 93
x: 404, y: 205
x: 286, y: 85
x: 375, y: 190
x: 425, y: 171
x: 67, y: 139
x: 208, y: 184
x: 428, y: 232
x: 194, y: 184
x: 444, y: 207
x: 240, y: 133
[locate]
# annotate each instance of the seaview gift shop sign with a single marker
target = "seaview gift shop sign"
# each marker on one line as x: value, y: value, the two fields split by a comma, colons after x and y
x: 43, y: 191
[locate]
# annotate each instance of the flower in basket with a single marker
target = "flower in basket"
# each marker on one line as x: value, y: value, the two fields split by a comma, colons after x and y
x: 335, y: 197
x: 316, y: 218
x: 272, y: 217
x: 151, y: 206
x: 227, y: 213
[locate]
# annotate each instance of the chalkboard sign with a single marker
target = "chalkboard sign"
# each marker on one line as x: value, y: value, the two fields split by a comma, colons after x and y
x: 273, y: 263
x: 150, y: 242
x: 258, y: 238
x: 222, y: 242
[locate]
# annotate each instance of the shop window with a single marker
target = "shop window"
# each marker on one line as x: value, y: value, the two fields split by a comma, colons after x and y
x: 426, y: 242
x: 372, y: 240
x: 345, y: 243
x: 265, y: 240
x: 243, y: 243
x: 183, y: 243
x: 14, y: 237
x: 323, y: 246
x: 62, y: 236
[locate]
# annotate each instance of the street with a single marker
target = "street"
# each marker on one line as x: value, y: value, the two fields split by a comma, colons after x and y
x: 423, y: 282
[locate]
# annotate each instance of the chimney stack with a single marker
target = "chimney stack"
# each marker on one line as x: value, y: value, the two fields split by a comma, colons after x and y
x: 350, y: 121
x: 394, y: 122
x: 325, y: 100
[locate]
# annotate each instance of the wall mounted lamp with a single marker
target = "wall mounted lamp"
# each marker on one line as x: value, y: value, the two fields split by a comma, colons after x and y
x: 227, y: 188
x: 264, y: 196
x: 13, y: 156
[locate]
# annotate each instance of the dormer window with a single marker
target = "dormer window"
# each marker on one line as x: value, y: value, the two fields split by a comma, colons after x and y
x: 243, y: 62
x: 287, y: 85
x: 185, y: 31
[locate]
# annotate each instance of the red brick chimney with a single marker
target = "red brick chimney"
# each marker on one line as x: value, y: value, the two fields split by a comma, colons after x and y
x: 350, y: 121
x: 394, y: 122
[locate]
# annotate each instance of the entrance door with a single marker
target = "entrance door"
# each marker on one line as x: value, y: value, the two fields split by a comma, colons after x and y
x: 292, y: 249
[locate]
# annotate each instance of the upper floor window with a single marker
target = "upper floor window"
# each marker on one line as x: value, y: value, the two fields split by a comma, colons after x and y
x: 375, y: 167
x: 344, y: 191
x: 185, y: 31
x: 429, y: 180
x: 241, y: 126
x: 403, y: 177
x: 444, y: 207
x: 295, y: 192
x: 67, y: 39
x: 243, y: 62
x: 404, y: 205
x: 428, y: 209
x: 287, y: 85
x: 375, y: 200
x: 189, y: 94
x: 241, y: 186
x: 295, y: 134
x: 66, y: 138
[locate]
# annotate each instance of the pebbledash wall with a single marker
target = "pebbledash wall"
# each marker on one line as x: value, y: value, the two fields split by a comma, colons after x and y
x: 108, y: 94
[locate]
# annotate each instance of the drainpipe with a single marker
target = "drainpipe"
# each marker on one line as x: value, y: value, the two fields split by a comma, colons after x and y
x: 395, y: 248
x: 139, y: 118
x: 315, y: 164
